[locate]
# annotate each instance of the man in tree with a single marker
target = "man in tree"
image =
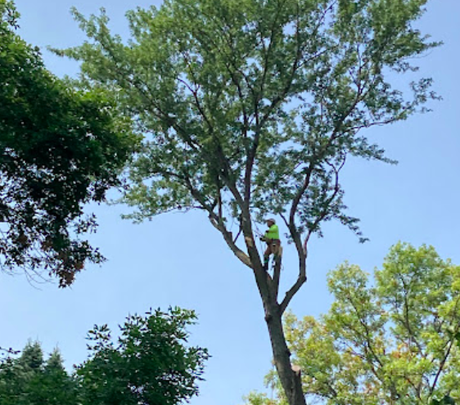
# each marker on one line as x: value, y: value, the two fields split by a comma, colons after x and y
x: 60, y: 148
x: 272, y: 238
x: 251, y: 107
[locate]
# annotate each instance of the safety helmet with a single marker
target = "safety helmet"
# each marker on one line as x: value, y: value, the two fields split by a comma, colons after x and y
x: 271, y: 220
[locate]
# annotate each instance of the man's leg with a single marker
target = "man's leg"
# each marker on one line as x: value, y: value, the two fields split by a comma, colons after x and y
x: 275, y: 247
x: 267, y: 257
x: 276, y: 251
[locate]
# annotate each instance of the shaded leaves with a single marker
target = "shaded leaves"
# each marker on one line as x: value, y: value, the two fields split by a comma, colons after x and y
x: 60, y: 148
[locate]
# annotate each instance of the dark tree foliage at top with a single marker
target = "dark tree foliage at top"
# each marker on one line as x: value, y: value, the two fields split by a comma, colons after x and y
x: 59, y: 149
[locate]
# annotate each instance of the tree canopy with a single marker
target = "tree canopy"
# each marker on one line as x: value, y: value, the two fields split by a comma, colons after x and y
x: 252, y: 107
x: 150, y: 363
x: 60, y: 148
x: 395, y: 340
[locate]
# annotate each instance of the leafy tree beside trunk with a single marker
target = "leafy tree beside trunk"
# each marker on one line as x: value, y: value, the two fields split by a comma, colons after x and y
x: 251, y: 108
x: 395, y: 340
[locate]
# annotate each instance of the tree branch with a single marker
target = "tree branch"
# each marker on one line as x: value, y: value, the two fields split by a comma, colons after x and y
x: 244, y: 258
x: 293, y: 290
x: 447, y: 354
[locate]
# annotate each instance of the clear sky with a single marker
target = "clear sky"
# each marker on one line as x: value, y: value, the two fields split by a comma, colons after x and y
x: 158, y: 263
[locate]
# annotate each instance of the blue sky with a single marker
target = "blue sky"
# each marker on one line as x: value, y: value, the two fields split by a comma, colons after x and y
x: 158, y: 263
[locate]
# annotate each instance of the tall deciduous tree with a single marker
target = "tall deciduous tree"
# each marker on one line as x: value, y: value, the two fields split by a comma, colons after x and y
x: 59, y: 149
x: 251, y: 108
x: 393, y: 341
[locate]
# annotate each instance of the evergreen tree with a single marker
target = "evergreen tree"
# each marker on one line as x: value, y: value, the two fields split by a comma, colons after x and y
x: 30, y: 380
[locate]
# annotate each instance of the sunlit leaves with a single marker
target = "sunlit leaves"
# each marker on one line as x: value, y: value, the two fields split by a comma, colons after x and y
x: 391, y: 341
x: 256, y: 103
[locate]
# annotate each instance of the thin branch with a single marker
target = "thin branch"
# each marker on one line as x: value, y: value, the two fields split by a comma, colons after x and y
x: 228, y: 239
x: 301, y: 279
x: 447, y: 354
x: 253, y: 150
x: 9, y: 351
x: 406, y: 321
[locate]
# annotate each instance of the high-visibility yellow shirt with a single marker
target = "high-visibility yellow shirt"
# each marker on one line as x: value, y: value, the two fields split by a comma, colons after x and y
x: 273, y: 232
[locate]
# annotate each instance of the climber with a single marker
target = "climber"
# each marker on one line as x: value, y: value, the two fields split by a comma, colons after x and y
x: 272, y: 239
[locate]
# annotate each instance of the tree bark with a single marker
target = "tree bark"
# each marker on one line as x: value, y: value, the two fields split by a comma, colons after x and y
x: 290, y: 379
x: 268, y: 289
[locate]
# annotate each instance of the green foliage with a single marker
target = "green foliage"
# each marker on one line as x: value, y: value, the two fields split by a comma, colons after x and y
x: 252, y: 107
x: 149, y: 364
x: 29, y: 380
x: 445, y: 401
x: 393, y: 342
x: 259, y: 399
x: 59, y: 149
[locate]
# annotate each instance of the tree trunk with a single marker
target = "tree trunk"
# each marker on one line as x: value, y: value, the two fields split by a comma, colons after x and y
x: 268, y: 289
x: 290, y: 379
